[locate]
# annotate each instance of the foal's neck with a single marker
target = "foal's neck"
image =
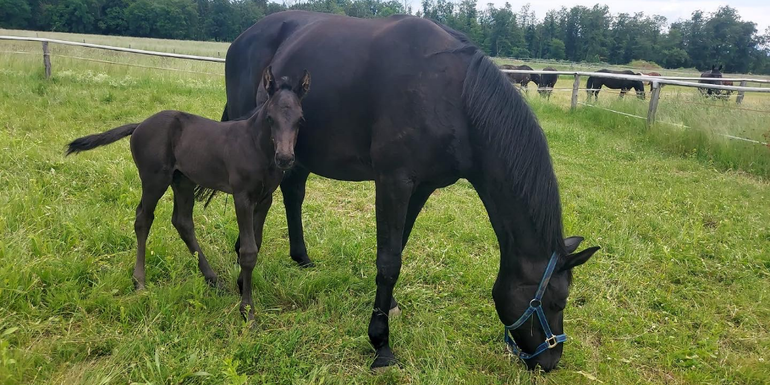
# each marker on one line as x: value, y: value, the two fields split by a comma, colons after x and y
x: 259, y: 132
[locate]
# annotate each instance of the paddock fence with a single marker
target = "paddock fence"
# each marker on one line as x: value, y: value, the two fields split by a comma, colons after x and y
x: 656, y: 81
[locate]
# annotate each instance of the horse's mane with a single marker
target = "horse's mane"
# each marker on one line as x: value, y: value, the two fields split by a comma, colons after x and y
x: 512, y: 131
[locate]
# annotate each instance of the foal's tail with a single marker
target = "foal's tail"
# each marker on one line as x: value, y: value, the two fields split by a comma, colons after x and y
x: 91, y: 142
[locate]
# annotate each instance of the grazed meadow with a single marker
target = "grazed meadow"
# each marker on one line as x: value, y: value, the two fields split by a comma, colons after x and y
x: 677, y: 295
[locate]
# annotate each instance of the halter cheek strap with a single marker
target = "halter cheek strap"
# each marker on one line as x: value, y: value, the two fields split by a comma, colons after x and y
x: 536, y: 307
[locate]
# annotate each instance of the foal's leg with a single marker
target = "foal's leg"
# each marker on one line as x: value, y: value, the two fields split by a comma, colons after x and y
x: 244, y: 211
x: 184, y: 200
x: 260, y: 213
x: 393, y: 193
x: 153, y: 188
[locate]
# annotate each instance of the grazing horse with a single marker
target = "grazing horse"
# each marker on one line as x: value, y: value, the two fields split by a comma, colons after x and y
x: 715, y: 73
x: 595, y: 83
x: 547, y: 82
x: 414, y: 118
x: 521, y: 79
x: 245, y: 158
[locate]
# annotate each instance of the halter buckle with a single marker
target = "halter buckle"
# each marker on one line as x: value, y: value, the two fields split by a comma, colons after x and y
x: 535, y: 303
x: 551, y: 341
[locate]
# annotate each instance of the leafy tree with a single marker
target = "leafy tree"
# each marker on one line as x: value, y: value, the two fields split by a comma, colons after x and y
x: 15, y: 14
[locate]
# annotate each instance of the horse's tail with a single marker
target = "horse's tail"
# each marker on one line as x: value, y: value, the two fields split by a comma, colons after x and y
x: 504, y: 121
x: 91, y: 142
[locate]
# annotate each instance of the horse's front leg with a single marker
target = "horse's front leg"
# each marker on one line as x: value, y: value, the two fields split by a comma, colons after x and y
x: 244, y: 211
x: 393, y: 193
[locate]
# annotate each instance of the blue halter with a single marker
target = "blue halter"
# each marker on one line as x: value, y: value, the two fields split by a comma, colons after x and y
x: 536, y: 307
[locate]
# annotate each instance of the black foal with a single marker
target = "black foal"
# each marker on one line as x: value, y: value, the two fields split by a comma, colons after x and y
x: 244, y: 158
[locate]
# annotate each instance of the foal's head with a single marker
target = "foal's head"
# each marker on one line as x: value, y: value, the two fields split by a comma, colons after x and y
x: 283, y: 112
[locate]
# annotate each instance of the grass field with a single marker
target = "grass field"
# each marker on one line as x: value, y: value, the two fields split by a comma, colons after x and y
x: 679, y: 294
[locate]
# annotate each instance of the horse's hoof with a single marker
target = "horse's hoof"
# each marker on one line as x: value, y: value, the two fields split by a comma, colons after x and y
x: 138, y: 285
x: 303, y: 261
x: 383, y: 360
x: 394, y: 312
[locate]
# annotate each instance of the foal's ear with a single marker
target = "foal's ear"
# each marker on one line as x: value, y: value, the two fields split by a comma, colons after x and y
x: 268, y: 80
x: 303, y: 86
x: 577, y: 259
x: 572, y: 243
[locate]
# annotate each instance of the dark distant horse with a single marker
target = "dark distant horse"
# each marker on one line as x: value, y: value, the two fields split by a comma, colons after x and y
x: 595, y: 83
x: 715, y: 73
x: 521, y: 79
x: 414, y: 118
x: 245, y: 158
x: 547, y: 82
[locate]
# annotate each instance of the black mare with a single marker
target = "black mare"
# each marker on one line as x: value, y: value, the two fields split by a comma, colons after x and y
x: 710, y: 77
x: 547, y: 82
x: 595, y: 83
x: 413, y: 118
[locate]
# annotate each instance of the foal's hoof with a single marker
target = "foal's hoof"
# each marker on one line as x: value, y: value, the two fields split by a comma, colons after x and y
x: 303, y: 261
x: 383, y: 360
x: 138, y: 285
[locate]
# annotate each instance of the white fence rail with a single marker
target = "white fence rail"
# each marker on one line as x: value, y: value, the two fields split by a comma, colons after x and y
x: 657, y: 81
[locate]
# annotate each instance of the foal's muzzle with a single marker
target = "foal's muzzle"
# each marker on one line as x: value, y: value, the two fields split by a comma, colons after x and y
x: 284, y: 162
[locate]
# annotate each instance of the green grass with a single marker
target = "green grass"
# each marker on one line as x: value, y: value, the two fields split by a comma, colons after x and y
x: 679, y: 294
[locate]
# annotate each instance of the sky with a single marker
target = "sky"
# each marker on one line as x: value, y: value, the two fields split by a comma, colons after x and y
x: 757, y: 11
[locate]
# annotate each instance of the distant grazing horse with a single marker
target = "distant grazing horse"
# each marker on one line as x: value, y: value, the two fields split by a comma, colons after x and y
x: 245, y: 158
x: 521, y: 79
x: 414, y: 118
x: 715, y: 73
x: 547, y: 82
x: 595, y: 83
x: 652, y: 74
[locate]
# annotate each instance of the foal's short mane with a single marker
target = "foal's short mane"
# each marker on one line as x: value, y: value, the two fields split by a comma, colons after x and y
x: 499, y: 112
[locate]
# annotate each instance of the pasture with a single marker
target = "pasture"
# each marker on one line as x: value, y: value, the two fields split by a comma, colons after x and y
x: 679, y: 293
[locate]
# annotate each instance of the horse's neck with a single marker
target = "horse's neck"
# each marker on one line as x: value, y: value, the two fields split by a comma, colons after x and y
x: 516, y: 235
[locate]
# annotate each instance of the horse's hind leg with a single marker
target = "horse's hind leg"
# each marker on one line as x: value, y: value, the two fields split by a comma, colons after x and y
x: 184, y: 200
x: 153, y: 188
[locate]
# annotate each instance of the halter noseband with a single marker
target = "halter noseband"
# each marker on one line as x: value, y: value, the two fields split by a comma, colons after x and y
x: 536, y: 307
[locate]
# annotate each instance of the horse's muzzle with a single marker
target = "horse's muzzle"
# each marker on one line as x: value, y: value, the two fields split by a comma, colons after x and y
x: 284, y: 162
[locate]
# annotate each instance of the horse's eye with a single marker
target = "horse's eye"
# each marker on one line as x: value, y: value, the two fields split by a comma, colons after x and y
x: 269, y: 120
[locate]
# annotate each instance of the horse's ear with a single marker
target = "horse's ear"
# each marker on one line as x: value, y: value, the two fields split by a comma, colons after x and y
x: 577, y: 259
x: 572, y: 243
x: 303, y: 86
x: 713, y: 67
x: 268, y: 80
x: 720, y: 68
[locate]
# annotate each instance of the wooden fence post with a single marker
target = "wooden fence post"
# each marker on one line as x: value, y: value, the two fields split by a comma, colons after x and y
x: 575, y: 88
x: 654, y: 98
x: 46, y: 60
x: 739, y: 99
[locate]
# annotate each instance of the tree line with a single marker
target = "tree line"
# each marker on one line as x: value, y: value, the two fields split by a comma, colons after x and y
x: 576, y: 34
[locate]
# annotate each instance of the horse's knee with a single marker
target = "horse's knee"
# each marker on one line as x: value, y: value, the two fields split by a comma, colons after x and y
x: 248, y: 259
x: 388, y: 272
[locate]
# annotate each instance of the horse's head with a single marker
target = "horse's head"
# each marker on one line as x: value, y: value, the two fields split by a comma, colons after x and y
x: 284, y: 113
x: 639, y: 87
x: 530, y: 301
x: 535, y: 79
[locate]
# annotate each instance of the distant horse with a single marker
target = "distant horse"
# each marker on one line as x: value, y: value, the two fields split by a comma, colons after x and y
x: 547, y: 82
x: 521, y: 79
x: 727, y: 93
x: 652, y: 74
x: 715, y: 73
x: 245, y: 158
x: 414, y: 118
x: 595, y: 83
